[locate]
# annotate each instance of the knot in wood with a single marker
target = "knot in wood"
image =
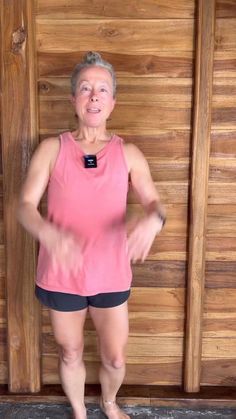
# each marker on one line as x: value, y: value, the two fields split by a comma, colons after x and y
x: 44, y: 87
x: 18, y: 39
x: 109, y: 32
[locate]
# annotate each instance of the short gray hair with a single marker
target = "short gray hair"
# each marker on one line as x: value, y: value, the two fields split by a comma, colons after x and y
x: 92, y: 59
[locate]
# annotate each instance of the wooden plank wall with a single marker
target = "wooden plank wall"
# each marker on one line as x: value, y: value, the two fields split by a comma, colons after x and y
x: 219, y: 328
x: 151, y: 44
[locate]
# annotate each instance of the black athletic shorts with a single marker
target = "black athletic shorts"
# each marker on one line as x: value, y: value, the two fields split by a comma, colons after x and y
x: 61, y: 301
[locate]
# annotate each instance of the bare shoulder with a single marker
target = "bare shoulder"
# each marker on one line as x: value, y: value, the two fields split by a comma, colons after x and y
x: 133, y: 155
x: 47, y: 151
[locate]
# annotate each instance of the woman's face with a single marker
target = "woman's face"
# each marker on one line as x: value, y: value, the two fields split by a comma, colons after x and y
x: 94, y: 100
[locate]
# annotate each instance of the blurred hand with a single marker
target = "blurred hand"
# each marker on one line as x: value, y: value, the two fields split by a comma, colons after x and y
x: 63, y: 247
x: 141, y: 234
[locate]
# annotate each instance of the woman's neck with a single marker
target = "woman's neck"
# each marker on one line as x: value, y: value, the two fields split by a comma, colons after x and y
x: 91, y: 135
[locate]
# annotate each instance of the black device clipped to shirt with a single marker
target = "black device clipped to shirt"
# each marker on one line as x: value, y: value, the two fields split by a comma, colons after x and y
x: 90, y: 160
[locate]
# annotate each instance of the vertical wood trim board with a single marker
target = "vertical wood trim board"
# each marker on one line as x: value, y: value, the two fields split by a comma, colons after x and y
x: 19, y: 137
x: 199, y: 192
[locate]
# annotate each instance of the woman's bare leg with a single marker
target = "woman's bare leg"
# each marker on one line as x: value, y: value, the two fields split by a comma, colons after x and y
x: 68, y: 331
x: 113, y: 328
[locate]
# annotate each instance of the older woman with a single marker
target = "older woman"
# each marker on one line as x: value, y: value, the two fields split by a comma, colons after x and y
x: 85, y: 254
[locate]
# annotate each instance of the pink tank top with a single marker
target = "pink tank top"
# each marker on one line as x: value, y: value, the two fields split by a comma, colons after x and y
x: 90, y: 202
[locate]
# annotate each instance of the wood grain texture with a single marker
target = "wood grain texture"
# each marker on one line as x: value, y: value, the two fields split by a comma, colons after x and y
x: 114, y: 35
x: 217, y: 348
x: 223, y: 143
x: 221, y: 221
x: 3, y: 372
x: 220, y: 372
x: 18, y: 83
x: 173, y: 145
x: 222, y: 170
x: 224, y: 117
x: 198, y: 194
x: 160, y: 274
x: 147, y: 9
x: 219, y: 325
x: 220, y: 274
x: 155, y: 64
x: 59, y: 115
x: 220, y: 300
x: 224, y: 63
x: 151, y: 89
x: 226, y: 244
x: 226, y: 9
x: 147, y: 351
x: 159, y: 324
x: 129, y: 89
x: 224, y: 91
x: 165, y: 371
x: 225, y: 36
x: 222, y: 193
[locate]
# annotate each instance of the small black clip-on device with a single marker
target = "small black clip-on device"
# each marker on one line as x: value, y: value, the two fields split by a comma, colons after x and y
x: 90, y: 160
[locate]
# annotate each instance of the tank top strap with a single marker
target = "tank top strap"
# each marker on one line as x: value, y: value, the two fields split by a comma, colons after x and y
x: 117, y: 149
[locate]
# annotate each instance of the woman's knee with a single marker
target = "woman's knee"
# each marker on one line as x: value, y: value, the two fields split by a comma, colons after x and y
x: 114, y: 361
x: 70, y: 355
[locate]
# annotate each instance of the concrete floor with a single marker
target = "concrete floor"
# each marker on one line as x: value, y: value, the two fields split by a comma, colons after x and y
x: 63, y: 411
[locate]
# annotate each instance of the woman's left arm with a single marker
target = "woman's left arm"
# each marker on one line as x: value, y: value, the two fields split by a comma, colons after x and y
x: 144, y: 230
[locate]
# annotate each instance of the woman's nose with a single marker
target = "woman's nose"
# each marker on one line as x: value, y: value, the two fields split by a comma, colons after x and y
x: 93, y: 97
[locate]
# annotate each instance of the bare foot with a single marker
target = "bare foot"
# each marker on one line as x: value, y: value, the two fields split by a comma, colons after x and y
x: 112, y: 410
x: 79, y: 414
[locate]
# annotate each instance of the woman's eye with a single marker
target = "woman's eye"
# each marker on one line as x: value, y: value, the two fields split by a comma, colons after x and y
x: 85, y: 88
x: 103, y: 89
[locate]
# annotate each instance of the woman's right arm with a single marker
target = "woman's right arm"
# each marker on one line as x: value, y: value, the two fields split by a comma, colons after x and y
x: 64, y: 248
x: 34, y: 187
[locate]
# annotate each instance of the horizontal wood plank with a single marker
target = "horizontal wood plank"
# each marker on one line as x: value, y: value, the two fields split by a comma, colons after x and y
x: 141, y: 324
x: 147, y: 9
x: 224, y: 91
x: 219, y: 348
x: 161, y: 324
x: 160, y: 64
x: 221, y: 221
x: 114, y: 35
x: 166, y: 299
x: 170, y: 193
x: 224, y: 244
x: 176, y: 225
x: 222, y: 193
x: 160, y: 274
x: 220, y: 274
x: 166, y: 371
x: 223, y: 118
x: 129, y: 89
x: 151, y: 89
x: 56, y: 115
x: 218, y: 372
x: 225, y: 63
x: 225, y: 8
x: 222, y: 169
x: 220, y: 300
x: 59, y: 115
x: 225, y: 37
x: 221, y: 325
x: 223, y: 143
x: 139, y: 349
x: 174, y: 145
